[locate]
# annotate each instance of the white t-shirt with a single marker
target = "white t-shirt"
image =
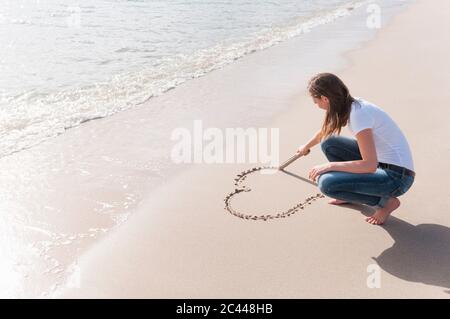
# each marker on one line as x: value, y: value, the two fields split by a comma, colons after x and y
x: 390, y: 143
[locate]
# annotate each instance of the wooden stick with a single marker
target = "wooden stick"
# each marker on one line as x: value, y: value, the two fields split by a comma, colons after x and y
x: 291, y: 160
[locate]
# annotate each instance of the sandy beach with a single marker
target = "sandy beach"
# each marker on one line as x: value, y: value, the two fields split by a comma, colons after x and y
x: 181, y: 243
x: 176, y: 239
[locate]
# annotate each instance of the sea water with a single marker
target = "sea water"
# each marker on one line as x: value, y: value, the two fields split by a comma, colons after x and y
x: 65, y: 62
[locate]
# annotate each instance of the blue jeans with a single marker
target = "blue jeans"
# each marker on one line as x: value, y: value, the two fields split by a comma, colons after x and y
x: 373, y: 189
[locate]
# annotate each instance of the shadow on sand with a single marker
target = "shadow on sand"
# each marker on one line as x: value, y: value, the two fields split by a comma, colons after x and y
x: 420, y: 253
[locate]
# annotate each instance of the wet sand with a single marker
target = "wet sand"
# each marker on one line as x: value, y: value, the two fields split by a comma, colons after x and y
x: 182, y: 243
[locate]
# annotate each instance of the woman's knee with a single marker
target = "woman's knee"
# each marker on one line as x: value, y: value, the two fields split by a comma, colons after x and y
x: 332, y: 140
x: 330, y: 147
x: 327, y: 183
x: 340, y: 148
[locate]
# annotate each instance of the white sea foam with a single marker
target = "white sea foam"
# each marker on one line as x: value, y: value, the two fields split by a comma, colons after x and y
x: 34, y: 115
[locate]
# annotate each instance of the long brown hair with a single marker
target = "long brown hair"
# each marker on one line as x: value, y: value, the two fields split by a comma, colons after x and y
x: 337, y: 116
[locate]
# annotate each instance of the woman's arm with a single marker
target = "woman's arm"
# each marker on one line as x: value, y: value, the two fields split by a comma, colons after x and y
x: 369, y: 161
x: 312, y: 142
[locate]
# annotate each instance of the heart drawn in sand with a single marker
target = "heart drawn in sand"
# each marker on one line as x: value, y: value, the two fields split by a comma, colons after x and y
x: 242, y: 188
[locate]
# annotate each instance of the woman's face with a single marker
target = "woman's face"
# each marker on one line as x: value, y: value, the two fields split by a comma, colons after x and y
x: 322, y: 102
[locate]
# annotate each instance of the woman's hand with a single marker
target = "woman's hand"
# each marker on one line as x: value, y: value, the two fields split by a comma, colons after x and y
x: 302, y: 150
x: 319, y: 170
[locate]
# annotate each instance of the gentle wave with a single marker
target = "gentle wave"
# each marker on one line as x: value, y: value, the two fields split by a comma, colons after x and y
x: 32, y: 117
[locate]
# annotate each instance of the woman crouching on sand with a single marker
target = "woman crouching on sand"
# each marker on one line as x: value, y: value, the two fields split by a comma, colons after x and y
x: 373, y: 169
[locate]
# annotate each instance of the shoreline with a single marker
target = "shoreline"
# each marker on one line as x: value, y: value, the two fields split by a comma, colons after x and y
x: 68, y: 109
x: 108, y: 186
x: 189, y: 247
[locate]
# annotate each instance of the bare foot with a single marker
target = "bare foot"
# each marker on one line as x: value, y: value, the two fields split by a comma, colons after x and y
x: 337, y: 202
x: 382, y: 214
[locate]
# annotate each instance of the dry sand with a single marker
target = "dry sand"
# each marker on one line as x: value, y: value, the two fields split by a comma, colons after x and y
x: 182, y: 243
